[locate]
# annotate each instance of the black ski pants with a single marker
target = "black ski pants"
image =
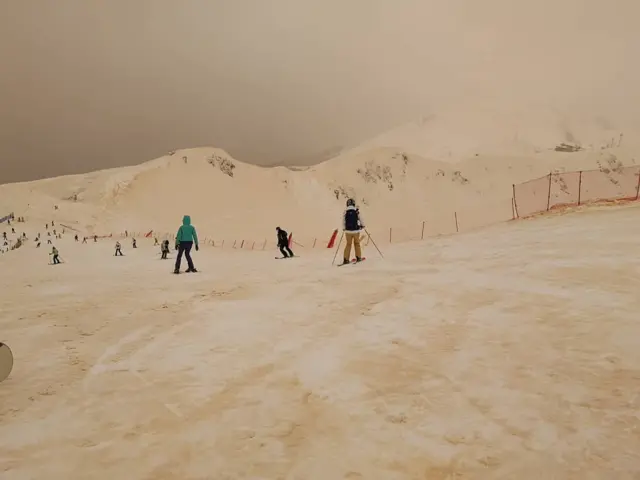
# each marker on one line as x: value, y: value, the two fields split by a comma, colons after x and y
x: 56, y: 260
x: 285, y: 250
x: 184, y: 247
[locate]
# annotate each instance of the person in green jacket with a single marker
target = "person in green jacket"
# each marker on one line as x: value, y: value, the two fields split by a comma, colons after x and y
x: 185, y: 239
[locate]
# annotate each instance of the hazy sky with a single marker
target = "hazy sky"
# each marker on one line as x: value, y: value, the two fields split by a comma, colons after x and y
x: 87, y: 84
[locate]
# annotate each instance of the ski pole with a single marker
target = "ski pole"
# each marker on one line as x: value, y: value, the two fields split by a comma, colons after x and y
x: 374, y: 243
x: 337, y: 248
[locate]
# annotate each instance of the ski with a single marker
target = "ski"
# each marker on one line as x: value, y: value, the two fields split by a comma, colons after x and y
x: 354, y: 261
x: 282, y: 258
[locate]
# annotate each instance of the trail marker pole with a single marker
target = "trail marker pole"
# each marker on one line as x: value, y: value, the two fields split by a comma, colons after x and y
x: 515, y: 202
x: 580, y: 187
x: 422, y: 234
x: 264, y: 245
x: 549, y: 194
x: 390, y: 229
x: 241, y: 244
x: 638, y: 187
x: 314, y: 243
x: 455, y: 214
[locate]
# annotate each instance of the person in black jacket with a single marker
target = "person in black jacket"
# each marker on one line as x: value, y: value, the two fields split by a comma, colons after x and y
x: 352, y: 225
x: 283, y: 243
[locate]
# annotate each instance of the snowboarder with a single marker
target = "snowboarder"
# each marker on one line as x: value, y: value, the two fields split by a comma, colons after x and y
x: 134, y: 243
x: 185, y: 239
x: 54, y: 252
x: 118, y: 250
x: 164, y: 249
x: 352, y: 225
x: 283, y: 243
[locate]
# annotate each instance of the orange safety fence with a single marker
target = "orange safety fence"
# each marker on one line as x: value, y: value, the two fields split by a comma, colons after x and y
x: 562, y: 189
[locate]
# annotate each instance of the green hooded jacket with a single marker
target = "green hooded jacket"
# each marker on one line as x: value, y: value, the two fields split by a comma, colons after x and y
x: 187, y: 232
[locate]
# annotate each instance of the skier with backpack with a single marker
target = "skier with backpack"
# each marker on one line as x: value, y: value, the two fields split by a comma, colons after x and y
x: 185, y: 239
x: 283, y: 243
x: 352, y: 225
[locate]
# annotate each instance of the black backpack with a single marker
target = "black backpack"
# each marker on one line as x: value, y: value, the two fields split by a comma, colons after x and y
x: 352, y: 220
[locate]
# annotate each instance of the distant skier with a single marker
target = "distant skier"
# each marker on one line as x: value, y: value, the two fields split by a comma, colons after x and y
x: 352, y: 225
x: 118, y: 250
x: 76, y: 237
x: 134, y: 244
x: 164, y: 249
x: 155, y: 241
x: 84, y: 240
x: 4, y: 235
x: 54, y: 252
x: 95, y: 239
x: 185, y: 239
x: 283, y: 243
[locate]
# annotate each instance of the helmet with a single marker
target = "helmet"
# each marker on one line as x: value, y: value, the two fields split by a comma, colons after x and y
x: 351, y: 202
x: 277, y: 228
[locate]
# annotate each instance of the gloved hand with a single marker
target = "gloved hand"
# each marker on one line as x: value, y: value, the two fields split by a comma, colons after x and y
x: 176, y: 247
x: 197, y: 248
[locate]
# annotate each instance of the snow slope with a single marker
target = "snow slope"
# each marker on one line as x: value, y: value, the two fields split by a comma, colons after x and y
x: 503, y: 353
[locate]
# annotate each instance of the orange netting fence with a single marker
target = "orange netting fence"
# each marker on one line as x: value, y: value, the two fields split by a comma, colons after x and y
x: 562, y: 189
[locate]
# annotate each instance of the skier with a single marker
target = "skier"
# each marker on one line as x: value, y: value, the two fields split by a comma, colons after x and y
x: 133, y: 243
x: 164, y: 249
x: 155, y: 241
x: 185, y: 239
x: 54, y: 252
x: 4, y: 235
x: 76, y: 237
x: 84, y: 240
x: 118, y: 250
x: 95, y: 239
x: 352, y: 225
x: 283, y: 243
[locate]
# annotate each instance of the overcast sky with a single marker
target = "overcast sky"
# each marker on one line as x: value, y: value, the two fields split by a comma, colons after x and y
x: 88, y: 84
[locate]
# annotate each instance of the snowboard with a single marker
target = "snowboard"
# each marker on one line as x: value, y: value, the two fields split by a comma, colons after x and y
x: 6, y: 361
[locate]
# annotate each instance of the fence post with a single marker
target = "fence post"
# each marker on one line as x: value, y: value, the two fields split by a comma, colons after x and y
x: 515, y: 202
x: 638, y: 187
x: 549, y: 194
x: 264, y: 244
x: 580, y: 188
x: 314, y: 243
x: 422, y: 234
x: 222, y: 246
x: 253, y: 245
x: 241, y: 244
x: 234, y: 244
x: 455, y: 214
x: 389, y: 234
